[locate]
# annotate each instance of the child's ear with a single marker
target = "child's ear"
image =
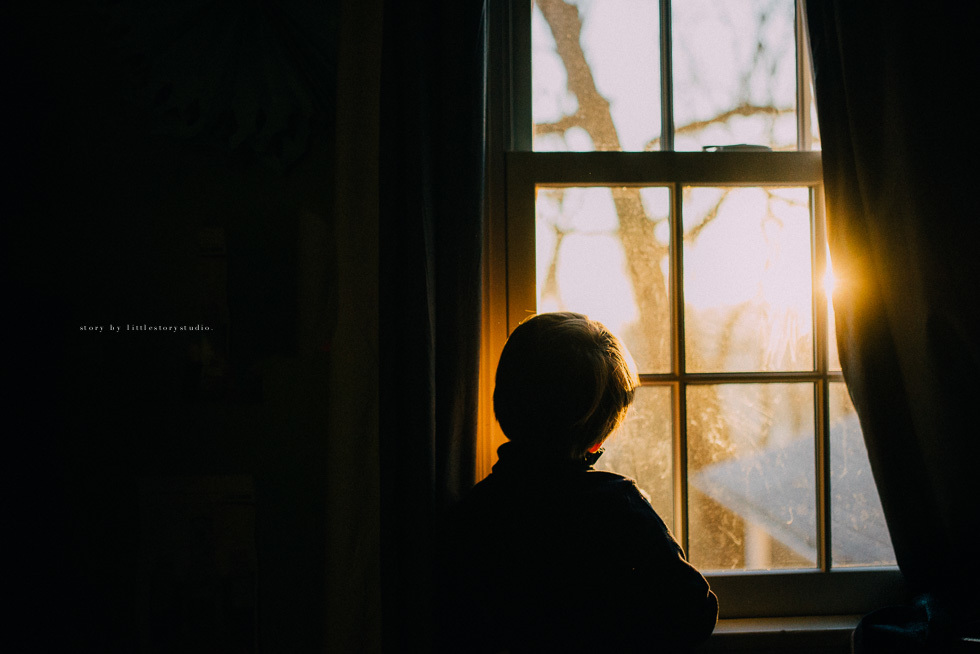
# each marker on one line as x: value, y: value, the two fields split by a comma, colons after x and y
x: 595, y: 448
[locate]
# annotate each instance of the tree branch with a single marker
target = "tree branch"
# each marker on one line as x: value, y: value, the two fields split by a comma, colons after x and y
x: 744, y: 109
x: 560, y: 126
x: 642, y: 251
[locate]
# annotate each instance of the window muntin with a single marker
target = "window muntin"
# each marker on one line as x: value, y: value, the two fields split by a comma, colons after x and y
x: 561, y: 192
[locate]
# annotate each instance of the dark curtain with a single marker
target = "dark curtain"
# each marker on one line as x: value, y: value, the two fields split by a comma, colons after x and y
x: 895, y: 94
x: 431, y: 227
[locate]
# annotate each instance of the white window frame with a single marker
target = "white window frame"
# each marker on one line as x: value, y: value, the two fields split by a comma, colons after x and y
x: 510, y: 296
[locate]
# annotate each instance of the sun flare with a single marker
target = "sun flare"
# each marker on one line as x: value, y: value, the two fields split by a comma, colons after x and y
x: 830, y: 280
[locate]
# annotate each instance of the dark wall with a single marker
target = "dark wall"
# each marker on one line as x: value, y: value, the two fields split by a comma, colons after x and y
x: 120, y: 440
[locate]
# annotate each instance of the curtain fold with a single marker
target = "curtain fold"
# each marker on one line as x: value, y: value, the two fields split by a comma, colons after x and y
x: 432, y: 155
x: 894, y: 99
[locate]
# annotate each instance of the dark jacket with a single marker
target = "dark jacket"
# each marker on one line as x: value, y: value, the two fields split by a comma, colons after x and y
x: 557, y: 556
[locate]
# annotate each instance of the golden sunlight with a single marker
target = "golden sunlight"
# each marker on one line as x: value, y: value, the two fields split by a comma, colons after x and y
x: 830, y: 280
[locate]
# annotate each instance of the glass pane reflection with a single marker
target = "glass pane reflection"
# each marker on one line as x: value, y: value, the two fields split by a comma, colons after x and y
x: 597, y: 88
x: 734, y: 73
x: 859, y: 534
x: 752, y: 484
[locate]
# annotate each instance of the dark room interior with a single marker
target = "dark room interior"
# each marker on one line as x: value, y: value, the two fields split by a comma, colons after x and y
x: 243, y: 257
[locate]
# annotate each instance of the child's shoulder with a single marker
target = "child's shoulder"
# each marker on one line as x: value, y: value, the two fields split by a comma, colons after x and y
x: 620, y: 491
x: 626, y: 485
x: 614, y: 481
x: 599, y: 489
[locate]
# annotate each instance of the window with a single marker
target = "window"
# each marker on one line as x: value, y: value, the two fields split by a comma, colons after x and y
x: 657, y: 167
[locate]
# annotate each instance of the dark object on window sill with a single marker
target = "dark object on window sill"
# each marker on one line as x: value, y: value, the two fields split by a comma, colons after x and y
x: 925, y: 625
x: 738, y: 147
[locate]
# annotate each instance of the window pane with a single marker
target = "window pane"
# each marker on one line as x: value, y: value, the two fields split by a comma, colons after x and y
x: 859, y: 535
x: 597, y: 86
x: 603, y: 252
x: 641, y: 448
x: 747, y: 279
x: 734, y: 73
x: 752, y: 480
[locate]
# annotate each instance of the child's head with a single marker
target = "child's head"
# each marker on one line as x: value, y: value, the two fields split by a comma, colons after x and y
x: 564, y: 383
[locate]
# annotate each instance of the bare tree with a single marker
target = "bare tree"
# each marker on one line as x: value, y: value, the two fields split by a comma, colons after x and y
x: 636, y: 230
x: 643, y: 252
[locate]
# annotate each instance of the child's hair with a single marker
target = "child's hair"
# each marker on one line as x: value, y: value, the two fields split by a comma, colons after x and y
x: 564, y: 383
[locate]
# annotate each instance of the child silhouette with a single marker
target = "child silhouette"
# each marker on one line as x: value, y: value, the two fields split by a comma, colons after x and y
x: 548, y: 554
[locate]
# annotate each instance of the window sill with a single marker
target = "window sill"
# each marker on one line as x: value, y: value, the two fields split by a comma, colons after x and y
x: 801, y: 635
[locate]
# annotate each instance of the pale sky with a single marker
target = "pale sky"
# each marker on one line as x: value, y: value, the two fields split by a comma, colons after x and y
x: 739, y: 258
